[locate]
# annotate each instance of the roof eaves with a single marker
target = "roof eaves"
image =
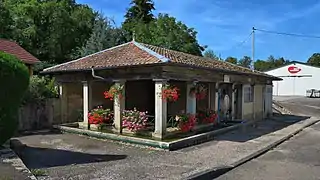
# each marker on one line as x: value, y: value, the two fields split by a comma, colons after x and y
x: 151, y: 52
x: 85, y: 56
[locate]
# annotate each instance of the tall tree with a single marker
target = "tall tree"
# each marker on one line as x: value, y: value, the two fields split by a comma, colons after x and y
x: 167, y: 32
x: 5, y: 22
x: 210, y: 54
x: 245, y: 62
x: 232, y: 60
x: 314, y: 60
x: 51, y: 30
x: 104, y: 35
x: 139, y: 12
x: 261, y: 65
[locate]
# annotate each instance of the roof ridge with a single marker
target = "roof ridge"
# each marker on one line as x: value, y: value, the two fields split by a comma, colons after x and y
x: 58, y: 65
x: 151, y: 52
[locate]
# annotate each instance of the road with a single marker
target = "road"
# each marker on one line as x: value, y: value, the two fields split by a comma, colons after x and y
x: 295, y: 159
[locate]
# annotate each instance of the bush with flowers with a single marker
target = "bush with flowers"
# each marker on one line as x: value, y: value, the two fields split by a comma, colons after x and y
x: 199, y: 90
x: 206, y: 116
x: 186, y: 122
x: 100, y: 116
x: 134, y: 120
x: 170, y: 93
x: 114, y: 90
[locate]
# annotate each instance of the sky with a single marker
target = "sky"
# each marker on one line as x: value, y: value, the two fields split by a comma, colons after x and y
x: 225, y: 25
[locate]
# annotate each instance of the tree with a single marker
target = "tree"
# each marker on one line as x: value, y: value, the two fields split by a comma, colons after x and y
x: 50, y: 30
x: 104, y: 35
x: 5, y: 22
x: 14, y: 78
x: 261, y: 65
x: 232, y: 60
x: 314, y: 60
x: 210, y: 54
x: 167, y: 32
x: 245, y: 62
x: 139, y: 12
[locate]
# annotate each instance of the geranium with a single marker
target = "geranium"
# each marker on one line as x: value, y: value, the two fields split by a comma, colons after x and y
x: 100, y: 116
x: 199, y: 91
x: 115, y: 90
x: 186, y: 122
x: 207, y: 116
x: 134, y: 120
x: 170, y: 93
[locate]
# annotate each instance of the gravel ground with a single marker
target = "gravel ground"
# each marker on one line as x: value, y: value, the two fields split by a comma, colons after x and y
x: 295, y: 159
x: 67, y: 156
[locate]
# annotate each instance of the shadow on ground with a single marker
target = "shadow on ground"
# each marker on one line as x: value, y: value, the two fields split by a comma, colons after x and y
x: 37, y: 132
x: 261, y: 128
x: 37, y: 158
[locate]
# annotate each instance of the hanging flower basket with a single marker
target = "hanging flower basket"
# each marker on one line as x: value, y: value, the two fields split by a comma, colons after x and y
x: 199, y: 91
x: 115, y: 90
x: 170, y: 93
x: 186, y: 122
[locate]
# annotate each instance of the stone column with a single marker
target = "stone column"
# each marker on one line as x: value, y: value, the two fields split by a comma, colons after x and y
x: 217, y: 103
x: 233, y: 101
x: 63, y: 103
x: 119, y: 106
x: 160, y: 110
x: 87, y: 105
x: 253, y: 102
x: 212, y: 96
x: 191, y: 100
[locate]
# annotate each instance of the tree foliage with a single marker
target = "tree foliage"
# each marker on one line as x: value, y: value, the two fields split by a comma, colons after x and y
x: 104, y: 35
x: 314, y: 60
x: 245, y: 62
x: 232, y: 60
x: 50, y: 30
x: 165, y: 31
x: 14, y: 78
x: 139, y: 12
x: 210, y: 54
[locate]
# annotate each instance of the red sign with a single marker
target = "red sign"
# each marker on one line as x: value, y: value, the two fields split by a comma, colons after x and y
x: 294, y: 69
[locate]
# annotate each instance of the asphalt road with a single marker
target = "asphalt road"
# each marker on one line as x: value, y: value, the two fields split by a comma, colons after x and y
x: 295, y: 159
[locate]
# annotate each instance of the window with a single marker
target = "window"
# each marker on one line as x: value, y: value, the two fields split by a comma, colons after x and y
x: 248, y: 94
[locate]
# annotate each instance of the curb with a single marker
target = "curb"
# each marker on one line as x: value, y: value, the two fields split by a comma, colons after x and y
x: 217, y: 171
x: 9, y: 155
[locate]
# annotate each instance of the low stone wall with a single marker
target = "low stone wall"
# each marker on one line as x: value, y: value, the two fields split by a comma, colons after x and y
x: 39, y: 116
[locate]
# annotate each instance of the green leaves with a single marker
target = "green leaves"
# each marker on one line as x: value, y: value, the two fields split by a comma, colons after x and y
x: 314, y: 60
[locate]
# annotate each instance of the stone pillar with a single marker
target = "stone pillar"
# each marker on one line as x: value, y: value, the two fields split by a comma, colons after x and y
x: 253, y: 102
x: 217, y: 103
x: 63, y: 91
x: 233, y: 101
x: 119, y: 106
x: 191, y: 100
x: 160, y: 110
x: 212, y: 96
x: 87, y: 105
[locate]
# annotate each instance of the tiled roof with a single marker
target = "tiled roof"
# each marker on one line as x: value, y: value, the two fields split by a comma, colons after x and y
x: 13, y: 48
x: 134, y: 53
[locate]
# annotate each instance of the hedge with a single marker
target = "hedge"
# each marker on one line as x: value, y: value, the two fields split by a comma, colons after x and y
x: 14, y: 80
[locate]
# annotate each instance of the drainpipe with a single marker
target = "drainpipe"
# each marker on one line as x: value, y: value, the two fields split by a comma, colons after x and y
x: 99, y: 77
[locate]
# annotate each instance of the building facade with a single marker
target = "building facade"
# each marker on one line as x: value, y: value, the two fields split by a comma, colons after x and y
x: 297, y: 79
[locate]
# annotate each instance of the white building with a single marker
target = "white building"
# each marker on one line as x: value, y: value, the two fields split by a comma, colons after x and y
x: 297, y: 79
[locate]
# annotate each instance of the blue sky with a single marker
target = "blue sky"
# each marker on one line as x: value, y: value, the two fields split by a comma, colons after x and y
x: 224, y: 24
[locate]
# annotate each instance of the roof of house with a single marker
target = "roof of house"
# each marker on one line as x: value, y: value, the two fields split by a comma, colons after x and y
x: 134, y: 53
x: 13, y: 48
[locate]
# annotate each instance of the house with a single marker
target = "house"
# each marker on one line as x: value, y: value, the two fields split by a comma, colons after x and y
x: 297, y: 78
x: 144, y: 70
x: 13, y: 48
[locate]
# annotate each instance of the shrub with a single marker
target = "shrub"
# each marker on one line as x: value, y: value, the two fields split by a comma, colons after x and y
x: 14, y: 79
x: 186, y: 122
x: 40, y: 88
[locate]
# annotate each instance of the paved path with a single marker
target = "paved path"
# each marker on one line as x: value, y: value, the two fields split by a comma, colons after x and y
x: 67, y: 156
x: 296, y: 159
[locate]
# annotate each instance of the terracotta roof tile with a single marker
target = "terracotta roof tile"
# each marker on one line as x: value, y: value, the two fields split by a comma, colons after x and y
x: 134, y: 53
x: 13, y: 48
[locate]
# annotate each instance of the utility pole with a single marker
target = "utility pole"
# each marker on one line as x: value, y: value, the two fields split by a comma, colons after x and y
x: 253, y: 47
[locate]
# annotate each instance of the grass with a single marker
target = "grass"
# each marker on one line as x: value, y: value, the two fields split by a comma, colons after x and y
x: 38, y: 172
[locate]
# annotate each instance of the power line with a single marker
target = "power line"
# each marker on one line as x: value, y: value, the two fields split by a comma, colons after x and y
x: 242, y: 42
x: 287, y: 34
